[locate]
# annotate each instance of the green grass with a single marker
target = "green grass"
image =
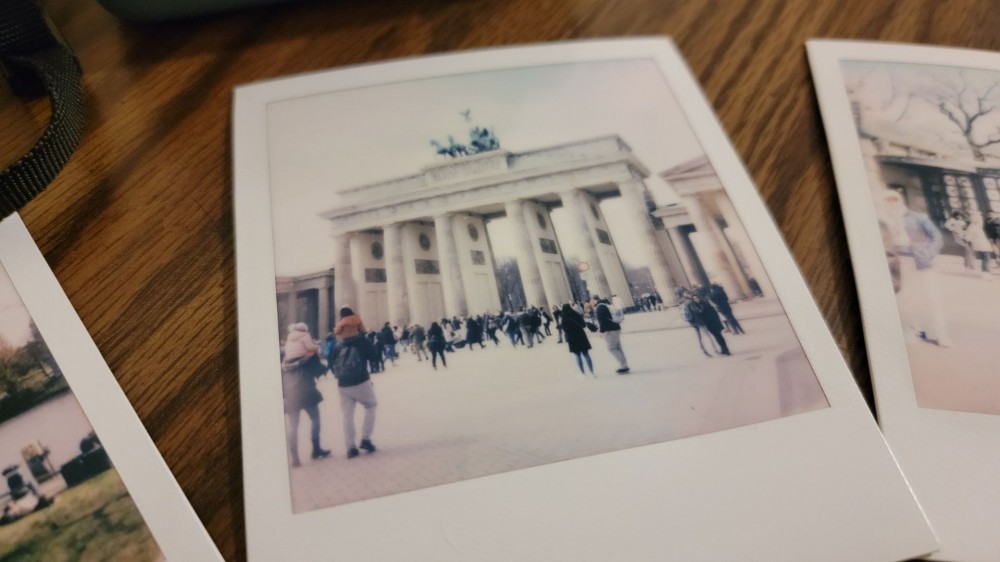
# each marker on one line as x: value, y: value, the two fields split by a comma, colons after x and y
x: 95, y: 521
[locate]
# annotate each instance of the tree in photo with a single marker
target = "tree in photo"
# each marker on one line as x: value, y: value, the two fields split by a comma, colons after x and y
x: 38, y: 352
x: 509, y: 284
x: 12, y: 369
x: 968, y: 106
x: 956, y: 111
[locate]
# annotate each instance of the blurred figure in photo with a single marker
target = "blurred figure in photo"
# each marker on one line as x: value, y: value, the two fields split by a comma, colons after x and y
x: 918, y: 243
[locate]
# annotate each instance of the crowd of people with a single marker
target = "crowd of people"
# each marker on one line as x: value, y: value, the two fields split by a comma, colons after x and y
x: 978, y: 239
x: 352, y: 352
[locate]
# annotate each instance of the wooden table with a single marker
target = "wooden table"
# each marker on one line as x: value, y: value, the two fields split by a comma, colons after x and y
x: 139, y: 226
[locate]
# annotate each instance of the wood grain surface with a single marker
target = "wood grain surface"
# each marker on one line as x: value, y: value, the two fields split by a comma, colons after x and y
x: 139, y: 226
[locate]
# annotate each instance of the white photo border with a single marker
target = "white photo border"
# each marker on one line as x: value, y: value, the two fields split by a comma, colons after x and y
x: 165, y: 509
x: 669, y: 500
x: 951, y: 458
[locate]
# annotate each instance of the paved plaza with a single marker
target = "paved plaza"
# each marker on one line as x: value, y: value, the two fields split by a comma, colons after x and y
x: 495, y: 410
x: 962, y: 377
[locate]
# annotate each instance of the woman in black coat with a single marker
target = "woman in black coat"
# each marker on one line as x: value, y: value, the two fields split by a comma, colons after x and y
x: 473, y: 332
x: 575, y: 330
x: 709, y: 318
x: 436, y: 344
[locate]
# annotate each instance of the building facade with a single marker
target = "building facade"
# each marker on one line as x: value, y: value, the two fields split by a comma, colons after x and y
x: 703, y: 236
x: 416, y: 248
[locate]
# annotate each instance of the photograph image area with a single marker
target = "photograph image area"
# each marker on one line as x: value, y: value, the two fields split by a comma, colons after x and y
x: 930, y: 139
x: 60, y: 496
x: 491, y: 271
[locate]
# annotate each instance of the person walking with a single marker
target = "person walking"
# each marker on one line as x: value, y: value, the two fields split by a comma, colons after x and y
x: 377, y: 359
x: 611, y: 330
x: 298, y: 386
x: 404, y: 338
x: 575, y: 328
x: 353, y: 380
x: 547, y: 318
x: 473, y: 332
x: 491, y: 330
x: 993, y: 232
x: 718, y: 297
x: 524, y: 323
x: 436, y: 344
x: 509, y: 326
x: 918, y: 242
x: 535, y: 315
x: 557, y: 318
x: 388, y: 338
x: 957, y: 224
x: 328, y: 351
x: 418, y: 336
x: 692, y: 315
x: 709, y: 319
x: 975, y: 235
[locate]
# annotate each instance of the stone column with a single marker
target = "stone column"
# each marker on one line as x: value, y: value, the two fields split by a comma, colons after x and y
x: 343, y: 277
x: 527, y: 263
x: 688, y: 260
x: 633, y: 193
x: 292, y: 311
x: 323, y: 303
x: 670, y: 252
x: 719, y: 260
x: 735, y: 269
x: 451, y: 275
x: 575, y: 211
x: 395, y: 275
x: 749, y: 252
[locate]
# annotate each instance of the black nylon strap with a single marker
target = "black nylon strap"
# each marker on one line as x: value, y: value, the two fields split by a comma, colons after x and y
x: 36, y: 63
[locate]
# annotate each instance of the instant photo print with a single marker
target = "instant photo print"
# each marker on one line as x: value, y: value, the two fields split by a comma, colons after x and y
x: 82, y: 480
x: 913, y: 138
x: 526, y: 304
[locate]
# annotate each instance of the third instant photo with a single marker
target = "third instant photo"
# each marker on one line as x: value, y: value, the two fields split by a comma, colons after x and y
x: 913, y: 137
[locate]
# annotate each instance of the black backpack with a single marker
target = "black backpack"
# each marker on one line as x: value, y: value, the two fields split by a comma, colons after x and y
x: 350, y: 362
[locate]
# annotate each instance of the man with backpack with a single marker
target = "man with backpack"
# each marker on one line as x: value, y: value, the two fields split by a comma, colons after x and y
x: 610, y: 324
x: 353, y: 381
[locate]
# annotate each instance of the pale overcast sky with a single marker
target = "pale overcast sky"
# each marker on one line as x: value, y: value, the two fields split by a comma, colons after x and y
x: 14, y: 319
x: 323, y: 143
x: 902, y: 97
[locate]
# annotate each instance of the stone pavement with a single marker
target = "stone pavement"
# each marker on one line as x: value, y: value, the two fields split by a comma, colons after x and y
x: 496, y: 409
x: 963, y: 377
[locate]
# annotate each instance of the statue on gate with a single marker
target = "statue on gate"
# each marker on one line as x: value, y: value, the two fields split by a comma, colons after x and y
x: 481, y: 139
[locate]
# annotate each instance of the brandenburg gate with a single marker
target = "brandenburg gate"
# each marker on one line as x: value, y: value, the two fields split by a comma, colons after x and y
x: 416, y: 249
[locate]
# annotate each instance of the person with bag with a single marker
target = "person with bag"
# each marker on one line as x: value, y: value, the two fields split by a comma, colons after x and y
x: 300, y: 367
x: 575, y: 328
x: 419, y: 336
x: 611, y: 329
x: 353, y: 380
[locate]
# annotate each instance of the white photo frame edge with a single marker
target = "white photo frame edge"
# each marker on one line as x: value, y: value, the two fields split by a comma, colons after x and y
x: 951, y: 458
x: 431, y: 522
x: 169, y: 516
